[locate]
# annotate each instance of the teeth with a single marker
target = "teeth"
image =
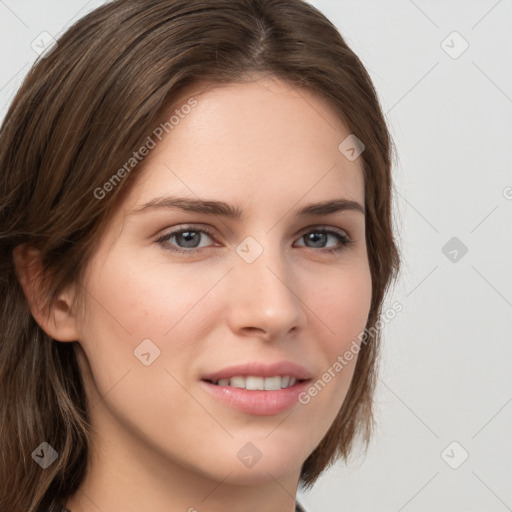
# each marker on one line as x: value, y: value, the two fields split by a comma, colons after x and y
x: 272, y: 383
x: 252, y: 382
x: 237, y: 382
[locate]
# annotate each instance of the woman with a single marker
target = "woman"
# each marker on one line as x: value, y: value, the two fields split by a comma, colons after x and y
x: 196, y: 244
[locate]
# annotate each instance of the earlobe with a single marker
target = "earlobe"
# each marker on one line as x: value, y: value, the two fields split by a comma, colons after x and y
x: 58, y: 320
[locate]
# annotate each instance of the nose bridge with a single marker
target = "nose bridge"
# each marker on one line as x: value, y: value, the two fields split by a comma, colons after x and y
x: 262, y: 262
x: 264, y: 297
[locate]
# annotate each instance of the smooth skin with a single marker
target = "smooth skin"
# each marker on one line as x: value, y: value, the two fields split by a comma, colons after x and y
x: 162, y: 443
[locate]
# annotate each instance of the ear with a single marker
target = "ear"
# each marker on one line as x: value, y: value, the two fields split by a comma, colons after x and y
x: 59, y: 322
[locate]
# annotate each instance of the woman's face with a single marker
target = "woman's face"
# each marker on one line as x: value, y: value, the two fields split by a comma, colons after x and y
x: 169, y: 316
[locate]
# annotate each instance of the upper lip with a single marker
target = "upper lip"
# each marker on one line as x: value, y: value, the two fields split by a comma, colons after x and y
x: 261, y: 370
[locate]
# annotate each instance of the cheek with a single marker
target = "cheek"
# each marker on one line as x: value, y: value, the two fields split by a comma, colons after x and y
x: 147, y: 299
x: 342, y: 304
x: 129, y: 301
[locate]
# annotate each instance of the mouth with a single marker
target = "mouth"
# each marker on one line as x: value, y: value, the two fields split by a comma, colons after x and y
x: 258, y: 389
x: 256, y: 395
x: 257, y: 383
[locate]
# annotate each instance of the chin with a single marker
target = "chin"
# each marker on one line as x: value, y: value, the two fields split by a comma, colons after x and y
x: 261, y: 473
x: 259, y: 461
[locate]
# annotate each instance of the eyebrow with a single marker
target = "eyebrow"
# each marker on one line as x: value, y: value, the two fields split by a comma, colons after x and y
x: 211, y: 207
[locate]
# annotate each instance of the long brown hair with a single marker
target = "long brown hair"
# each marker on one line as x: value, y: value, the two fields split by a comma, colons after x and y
x: 82, y: 111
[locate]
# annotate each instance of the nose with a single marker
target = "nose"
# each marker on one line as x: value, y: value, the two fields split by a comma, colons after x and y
x: 264, y: 299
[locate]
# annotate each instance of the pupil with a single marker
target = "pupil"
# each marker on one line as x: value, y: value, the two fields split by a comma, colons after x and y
x: 186, y: 235
x: 320, y: 236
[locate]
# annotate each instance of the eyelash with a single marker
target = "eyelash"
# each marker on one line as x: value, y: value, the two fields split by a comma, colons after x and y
x: 344, y: 240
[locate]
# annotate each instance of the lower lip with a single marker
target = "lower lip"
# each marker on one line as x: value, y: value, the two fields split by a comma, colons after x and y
x: 262, y: 403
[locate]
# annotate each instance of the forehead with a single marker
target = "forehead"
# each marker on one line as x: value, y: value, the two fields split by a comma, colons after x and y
x: 250, y: 142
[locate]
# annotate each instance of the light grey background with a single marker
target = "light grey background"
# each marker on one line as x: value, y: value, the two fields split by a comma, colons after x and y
x: 446, y: 366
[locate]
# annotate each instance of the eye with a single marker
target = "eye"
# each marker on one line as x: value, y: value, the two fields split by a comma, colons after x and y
x: 319, y: 236
x: 188, y: 239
